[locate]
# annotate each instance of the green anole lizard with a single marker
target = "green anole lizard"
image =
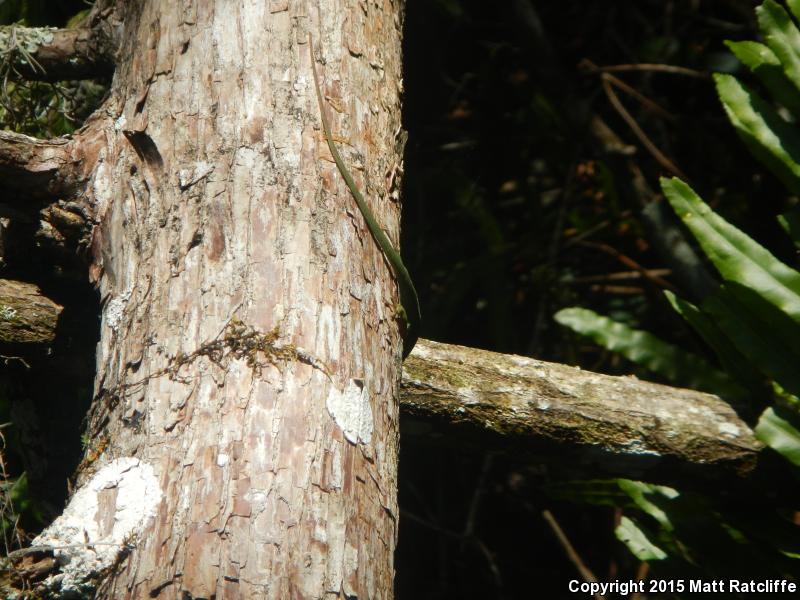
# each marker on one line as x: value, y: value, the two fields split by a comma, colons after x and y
x: 409, y: 309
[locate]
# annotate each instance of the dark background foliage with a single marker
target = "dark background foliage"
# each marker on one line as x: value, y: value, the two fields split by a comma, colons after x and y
x: 515, y: 206
x: 517, y: 203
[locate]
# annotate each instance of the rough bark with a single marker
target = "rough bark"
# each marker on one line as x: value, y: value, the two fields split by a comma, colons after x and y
x: 29, y: 165
x: 594, y: 424
x: 457, y: 395
x: 45, y: 213
x: 454, y: 395
x: 37, y: 169
x: 244, y: 429
x: 26, y: 316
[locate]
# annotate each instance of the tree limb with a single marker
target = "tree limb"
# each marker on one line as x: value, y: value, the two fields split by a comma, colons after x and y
x: 594, y: 424
x: 45, y: 168
x: 48, y: 54
x: 26, y: 315
x: 30, y: 165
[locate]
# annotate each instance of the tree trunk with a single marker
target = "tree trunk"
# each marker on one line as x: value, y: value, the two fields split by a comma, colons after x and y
x: 244, y: 426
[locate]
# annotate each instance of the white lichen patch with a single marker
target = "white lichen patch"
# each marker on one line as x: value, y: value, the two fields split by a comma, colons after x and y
x: 352, y: 411
x: 7, y: 313
x: 521, y: 361
x: 116, y: 308
x: 468, y: 396
x: 102, y: 518
x: 729, y: 429
x: 257, y: 500
x: 25, y: 41
x: 640, y: 448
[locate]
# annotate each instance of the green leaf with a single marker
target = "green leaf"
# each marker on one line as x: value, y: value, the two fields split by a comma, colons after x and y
x: 767, y: 528
x: 780, y: 432
x: 754, y: 327
x: 638, y: 492
x: 736, y: 256
x: 782, y: 37
x: 766, y: 66
x: 794, y: 6
x: 772, y: 140
x: 758, y: 309
x: 753, y: 54
x: 734, y: 362
x: 78, y: 18
x: 790, y: 222
x: 635, y: 539
x: 673, y: 363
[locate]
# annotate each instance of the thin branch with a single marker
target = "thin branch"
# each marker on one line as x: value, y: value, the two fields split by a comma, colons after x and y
x: 480, y: 490
x: 648, y: 274
x: 646, y: 67
x: 626, y: 214
x: 605, y: 277
x: 638, y: 132
x: 491, y: 563
x: 569, y: 549
x: 11, y: 535
x: 648, y: 104
x: 641, y: 575
x: 465, y: 538
x: 18, y: 359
